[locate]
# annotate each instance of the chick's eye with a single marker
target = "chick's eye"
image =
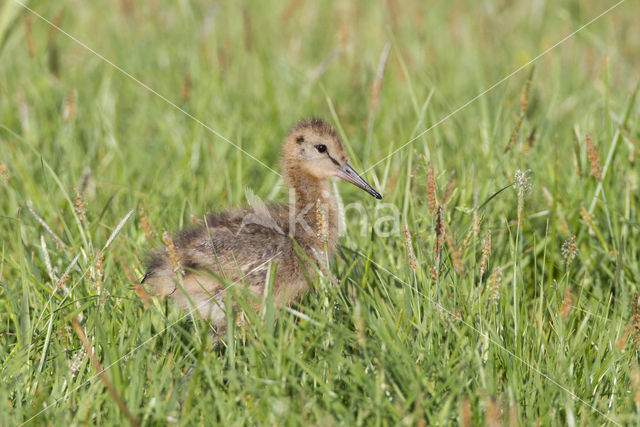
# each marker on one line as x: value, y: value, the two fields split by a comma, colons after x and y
x: 321, y: 148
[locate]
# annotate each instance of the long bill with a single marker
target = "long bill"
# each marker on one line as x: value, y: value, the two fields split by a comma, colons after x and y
x: 347, y: 173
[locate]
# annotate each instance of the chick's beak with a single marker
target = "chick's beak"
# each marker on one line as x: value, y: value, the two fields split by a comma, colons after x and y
x: 347, y: 173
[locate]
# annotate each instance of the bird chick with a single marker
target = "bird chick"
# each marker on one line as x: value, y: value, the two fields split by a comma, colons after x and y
x: 235, y: 248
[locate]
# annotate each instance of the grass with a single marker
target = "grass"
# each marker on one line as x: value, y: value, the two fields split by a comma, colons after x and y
x: 538, y: 326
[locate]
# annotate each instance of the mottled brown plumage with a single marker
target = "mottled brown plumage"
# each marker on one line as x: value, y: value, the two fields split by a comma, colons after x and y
x: 236, y: 247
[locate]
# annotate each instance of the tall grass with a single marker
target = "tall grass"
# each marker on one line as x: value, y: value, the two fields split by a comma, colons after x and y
x: 486, y: 305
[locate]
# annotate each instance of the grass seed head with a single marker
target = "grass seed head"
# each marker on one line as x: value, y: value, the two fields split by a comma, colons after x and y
x: 409, y: 245
x: 632, y: 328
x: 432, y: 200
x: 594, y: 159
x: 495, y: 281
x: 515, y: 133
x: 63, y: 280
x: 98, y: 273
x: 524, y: 96
x: 588, y: 220
x: 522, y: 182
x: 439, y: 229
x: 4, y: 173
x: 47, y: 259
x: 80, y: 206
x: 635, y: 321
x: 569, y: 249
x: 433, y: 271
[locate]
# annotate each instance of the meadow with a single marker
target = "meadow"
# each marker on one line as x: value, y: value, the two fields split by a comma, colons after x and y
x: 500, y: 287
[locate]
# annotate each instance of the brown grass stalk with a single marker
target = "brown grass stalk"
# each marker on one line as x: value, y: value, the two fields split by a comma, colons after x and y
x: 454, y: 253
x: 530, y: 139
x: 171, y: 251
x: 450, y: 186
x: 98, y: 367
x: 514, y: 134
x: 524, y: 95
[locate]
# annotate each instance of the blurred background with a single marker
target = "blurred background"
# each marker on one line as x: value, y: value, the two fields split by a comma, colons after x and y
x: 250, y: 70
x: 122, y: 119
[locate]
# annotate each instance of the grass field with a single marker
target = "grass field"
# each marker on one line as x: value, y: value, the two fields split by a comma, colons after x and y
x: 515, y: 302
